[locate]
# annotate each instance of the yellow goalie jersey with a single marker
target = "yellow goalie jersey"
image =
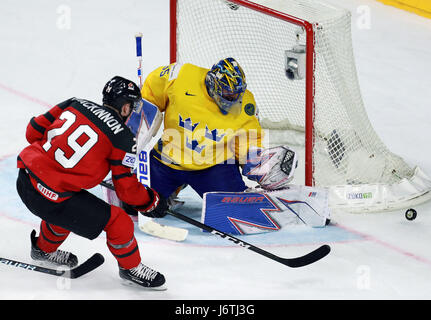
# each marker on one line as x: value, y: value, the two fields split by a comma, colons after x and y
x: 196, y: 134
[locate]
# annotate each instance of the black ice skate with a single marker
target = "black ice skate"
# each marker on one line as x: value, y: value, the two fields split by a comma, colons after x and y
x: 144, y: 277
x: 59, y: 257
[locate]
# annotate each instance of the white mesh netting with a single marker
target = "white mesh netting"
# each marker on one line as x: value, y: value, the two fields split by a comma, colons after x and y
x: 346, y: 149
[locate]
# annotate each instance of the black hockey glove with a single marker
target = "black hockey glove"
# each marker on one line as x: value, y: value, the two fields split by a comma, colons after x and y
x: 157, y: 206
x: 130, y: 210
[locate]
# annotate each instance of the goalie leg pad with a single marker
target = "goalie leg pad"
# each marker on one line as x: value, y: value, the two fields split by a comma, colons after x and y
x: 239, y: 213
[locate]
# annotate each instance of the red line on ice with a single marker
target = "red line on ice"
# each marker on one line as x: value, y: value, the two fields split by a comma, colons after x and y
x: 25, y: 96
x: 386, y: 244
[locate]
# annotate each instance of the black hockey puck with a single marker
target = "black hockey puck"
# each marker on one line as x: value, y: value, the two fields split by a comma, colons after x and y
x: 411, y: 214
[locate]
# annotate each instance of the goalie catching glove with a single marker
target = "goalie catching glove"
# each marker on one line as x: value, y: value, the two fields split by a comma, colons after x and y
x: 157, y: 206
x: 272, y: 168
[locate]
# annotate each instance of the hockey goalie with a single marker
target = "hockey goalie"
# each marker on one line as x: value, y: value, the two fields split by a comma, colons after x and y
x: 211, y: 140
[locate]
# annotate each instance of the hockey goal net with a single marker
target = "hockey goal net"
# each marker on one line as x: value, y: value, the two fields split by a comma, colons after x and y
x: 298, y: 59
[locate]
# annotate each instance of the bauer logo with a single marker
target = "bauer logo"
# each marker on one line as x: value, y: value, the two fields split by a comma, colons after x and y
x: 359, y: 195
x: 144, y: 168
x: 242, y: 200
x: 17, y: 264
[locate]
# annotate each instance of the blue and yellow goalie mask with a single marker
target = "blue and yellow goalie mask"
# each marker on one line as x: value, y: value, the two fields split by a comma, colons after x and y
x: 226, y: 84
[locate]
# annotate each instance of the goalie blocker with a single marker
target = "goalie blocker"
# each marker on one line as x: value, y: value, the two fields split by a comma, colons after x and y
x: 240, y: 213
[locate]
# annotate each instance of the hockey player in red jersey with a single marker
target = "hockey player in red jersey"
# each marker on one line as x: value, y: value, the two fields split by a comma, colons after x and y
x: 73, y: 147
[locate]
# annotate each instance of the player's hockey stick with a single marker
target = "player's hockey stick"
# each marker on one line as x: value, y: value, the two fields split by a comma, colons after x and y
x: 301, y: 261
x: 89, y: 265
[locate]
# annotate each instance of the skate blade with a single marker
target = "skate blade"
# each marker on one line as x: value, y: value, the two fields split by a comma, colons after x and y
x: 135, y: 285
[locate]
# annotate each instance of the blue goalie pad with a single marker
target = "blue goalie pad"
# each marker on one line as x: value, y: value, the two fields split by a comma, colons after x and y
x: 145, y: 116
x: 239, y: 213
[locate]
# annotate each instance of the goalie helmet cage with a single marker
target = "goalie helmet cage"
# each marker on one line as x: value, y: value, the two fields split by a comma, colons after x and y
x: 323, y: 105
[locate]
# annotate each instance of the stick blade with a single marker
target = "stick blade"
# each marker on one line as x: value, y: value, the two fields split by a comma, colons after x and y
x: 309, y: 258
x: 161, y: 231
x: 89, y: 265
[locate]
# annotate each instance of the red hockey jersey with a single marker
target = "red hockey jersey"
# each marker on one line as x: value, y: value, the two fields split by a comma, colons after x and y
x: 74, y: 146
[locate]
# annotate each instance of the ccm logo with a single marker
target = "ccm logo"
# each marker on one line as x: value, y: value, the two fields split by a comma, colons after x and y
x: 47, y: 193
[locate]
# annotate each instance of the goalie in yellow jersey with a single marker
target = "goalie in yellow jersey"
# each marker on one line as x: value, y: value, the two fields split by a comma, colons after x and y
x: 210, y: 128
x: 211, y: 140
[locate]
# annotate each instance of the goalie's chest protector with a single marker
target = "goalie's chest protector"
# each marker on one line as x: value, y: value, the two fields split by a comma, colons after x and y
x: 196, y: 134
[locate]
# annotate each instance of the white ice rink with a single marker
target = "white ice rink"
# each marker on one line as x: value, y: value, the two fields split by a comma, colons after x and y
x: 46, y: 58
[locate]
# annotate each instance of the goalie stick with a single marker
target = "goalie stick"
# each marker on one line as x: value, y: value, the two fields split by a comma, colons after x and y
x: 148, y: 225
x: 89, y: 265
